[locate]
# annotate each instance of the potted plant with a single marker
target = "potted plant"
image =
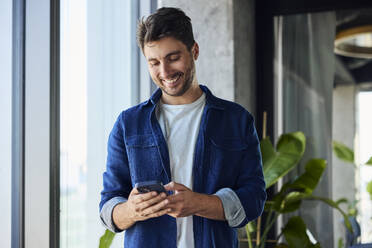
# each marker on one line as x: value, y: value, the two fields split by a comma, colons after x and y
x: 277, y: 163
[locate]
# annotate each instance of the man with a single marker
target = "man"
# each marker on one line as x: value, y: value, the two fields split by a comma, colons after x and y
x: 204, y: 149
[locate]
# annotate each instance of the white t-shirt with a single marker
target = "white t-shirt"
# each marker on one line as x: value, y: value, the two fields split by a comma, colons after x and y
x: 180, y: 125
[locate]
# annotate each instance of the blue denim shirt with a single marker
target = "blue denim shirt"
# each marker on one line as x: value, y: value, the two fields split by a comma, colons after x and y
x: 227, y: 156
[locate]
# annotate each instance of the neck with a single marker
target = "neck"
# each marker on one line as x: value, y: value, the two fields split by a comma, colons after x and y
x: 190, y: 96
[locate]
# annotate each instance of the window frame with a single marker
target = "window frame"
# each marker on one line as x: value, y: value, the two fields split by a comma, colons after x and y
x: 18, y: 124
x: 34, y: 25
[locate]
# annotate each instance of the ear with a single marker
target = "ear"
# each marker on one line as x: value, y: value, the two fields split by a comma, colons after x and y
x: 195, y: 51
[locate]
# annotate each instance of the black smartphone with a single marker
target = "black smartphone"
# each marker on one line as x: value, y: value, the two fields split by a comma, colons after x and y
x: 148, y: 186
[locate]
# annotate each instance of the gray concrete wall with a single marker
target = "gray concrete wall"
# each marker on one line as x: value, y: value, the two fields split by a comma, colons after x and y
x: 244, y: 54
x: 343, y: 174
x: 224, y: 32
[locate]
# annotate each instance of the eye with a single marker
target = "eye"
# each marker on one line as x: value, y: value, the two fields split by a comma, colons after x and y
x: 174, y: 58
x: 154, y: 63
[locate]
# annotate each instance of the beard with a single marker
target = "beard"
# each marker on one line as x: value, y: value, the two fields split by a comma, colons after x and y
x: 189, y: 77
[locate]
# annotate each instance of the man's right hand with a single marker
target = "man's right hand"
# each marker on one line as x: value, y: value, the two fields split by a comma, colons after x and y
x: 139, y: 207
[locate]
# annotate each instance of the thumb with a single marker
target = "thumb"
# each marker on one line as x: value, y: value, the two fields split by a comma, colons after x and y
x: 134, y: 192
x: 173, y: 186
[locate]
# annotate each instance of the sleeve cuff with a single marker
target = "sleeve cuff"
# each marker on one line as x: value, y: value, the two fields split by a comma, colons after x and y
x: 106, y: 213
x: 232, y: 207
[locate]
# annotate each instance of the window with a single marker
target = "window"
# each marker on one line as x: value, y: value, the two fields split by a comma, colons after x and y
x: 100, y: 77
x: 304, y: 82
x: 5, y: 123
x: 364, y: 123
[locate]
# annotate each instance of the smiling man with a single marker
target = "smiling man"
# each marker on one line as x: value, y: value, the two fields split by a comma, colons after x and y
x: 204, y: 149
x: 172, y: 68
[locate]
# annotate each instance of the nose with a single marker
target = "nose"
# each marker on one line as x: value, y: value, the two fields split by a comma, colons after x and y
x: 164, y: 71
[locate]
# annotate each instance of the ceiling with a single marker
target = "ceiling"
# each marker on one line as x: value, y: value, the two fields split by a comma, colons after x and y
x: 353, y: 70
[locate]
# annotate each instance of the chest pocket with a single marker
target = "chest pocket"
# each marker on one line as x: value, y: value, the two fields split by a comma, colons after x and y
x: 226, y: 156
x: 144, y: 158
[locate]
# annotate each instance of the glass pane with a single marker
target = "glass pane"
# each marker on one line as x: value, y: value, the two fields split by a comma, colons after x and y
x: 365, y: 172
x: 306, y: 73
x: 5, y: 123
x: 95, y: 88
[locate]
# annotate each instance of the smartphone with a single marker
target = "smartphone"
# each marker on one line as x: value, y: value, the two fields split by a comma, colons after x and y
x: 148, y: 186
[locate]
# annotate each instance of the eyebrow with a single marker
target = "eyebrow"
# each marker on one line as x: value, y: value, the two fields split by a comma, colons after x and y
x: 168, y: 55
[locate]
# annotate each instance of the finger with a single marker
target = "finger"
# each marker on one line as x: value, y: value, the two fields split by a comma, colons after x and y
x: 175, y: 186
x: 175, y: 206
x: 148, y: 203
x: 172, y: 214
x: 169, y: 186
x: 155, y: 208
x: 172, y: 205
x: 133, y: 192
x: 159, y: 213
x: 175, y: 214
x: 144, y: 197
x: 174, y: 198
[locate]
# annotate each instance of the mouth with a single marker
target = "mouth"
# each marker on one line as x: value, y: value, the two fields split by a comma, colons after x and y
x: 173, y: 82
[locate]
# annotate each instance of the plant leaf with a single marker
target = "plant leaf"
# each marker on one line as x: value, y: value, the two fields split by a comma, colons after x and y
x: 281, y: 246
x: 295, y: 233
x: 292, y: 143
x: 310, y: 178
x: 293, y: 197
x: 251, y: 226
x: 106, y: 239
x: 343, y: 152
x: 269, y: 205
x: 306, y: 183
x: 292, y: 202
x: 369, y: 189
x: 369, y: 162
x: 277, y: 202
x: 290, y: 149
x: 333, y: 204
x: 341, y: 243
x: 267, y: 150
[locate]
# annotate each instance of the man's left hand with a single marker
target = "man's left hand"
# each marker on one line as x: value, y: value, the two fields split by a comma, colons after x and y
x: 184, y: 202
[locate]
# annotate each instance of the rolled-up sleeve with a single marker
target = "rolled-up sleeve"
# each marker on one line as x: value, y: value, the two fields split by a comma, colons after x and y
x: 106, y: 213
x: 232, y: 207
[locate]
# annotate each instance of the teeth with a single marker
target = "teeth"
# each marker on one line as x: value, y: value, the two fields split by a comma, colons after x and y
x: 171, y: 81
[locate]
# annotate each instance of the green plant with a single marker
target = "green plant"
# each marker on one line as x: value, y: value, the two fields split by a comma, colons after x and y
x: 346, y: 154
x: 276, y: 164
x: 106, y: 239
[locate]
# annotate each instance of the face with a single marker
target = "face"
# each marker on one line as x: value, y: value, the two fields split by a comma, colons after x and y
x: 171, y: 65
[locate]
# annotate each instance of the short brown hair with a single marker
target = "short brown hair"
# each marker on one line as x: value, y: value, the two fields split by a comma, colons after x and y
x: 165, y: 22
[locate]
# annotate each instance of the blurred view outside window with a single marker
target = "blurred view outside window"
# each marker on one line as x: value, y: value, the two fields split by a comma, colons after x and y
x: 5, y: 123
x: 95, y: 87
x: 306, y: 71
x: 365, y: 172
